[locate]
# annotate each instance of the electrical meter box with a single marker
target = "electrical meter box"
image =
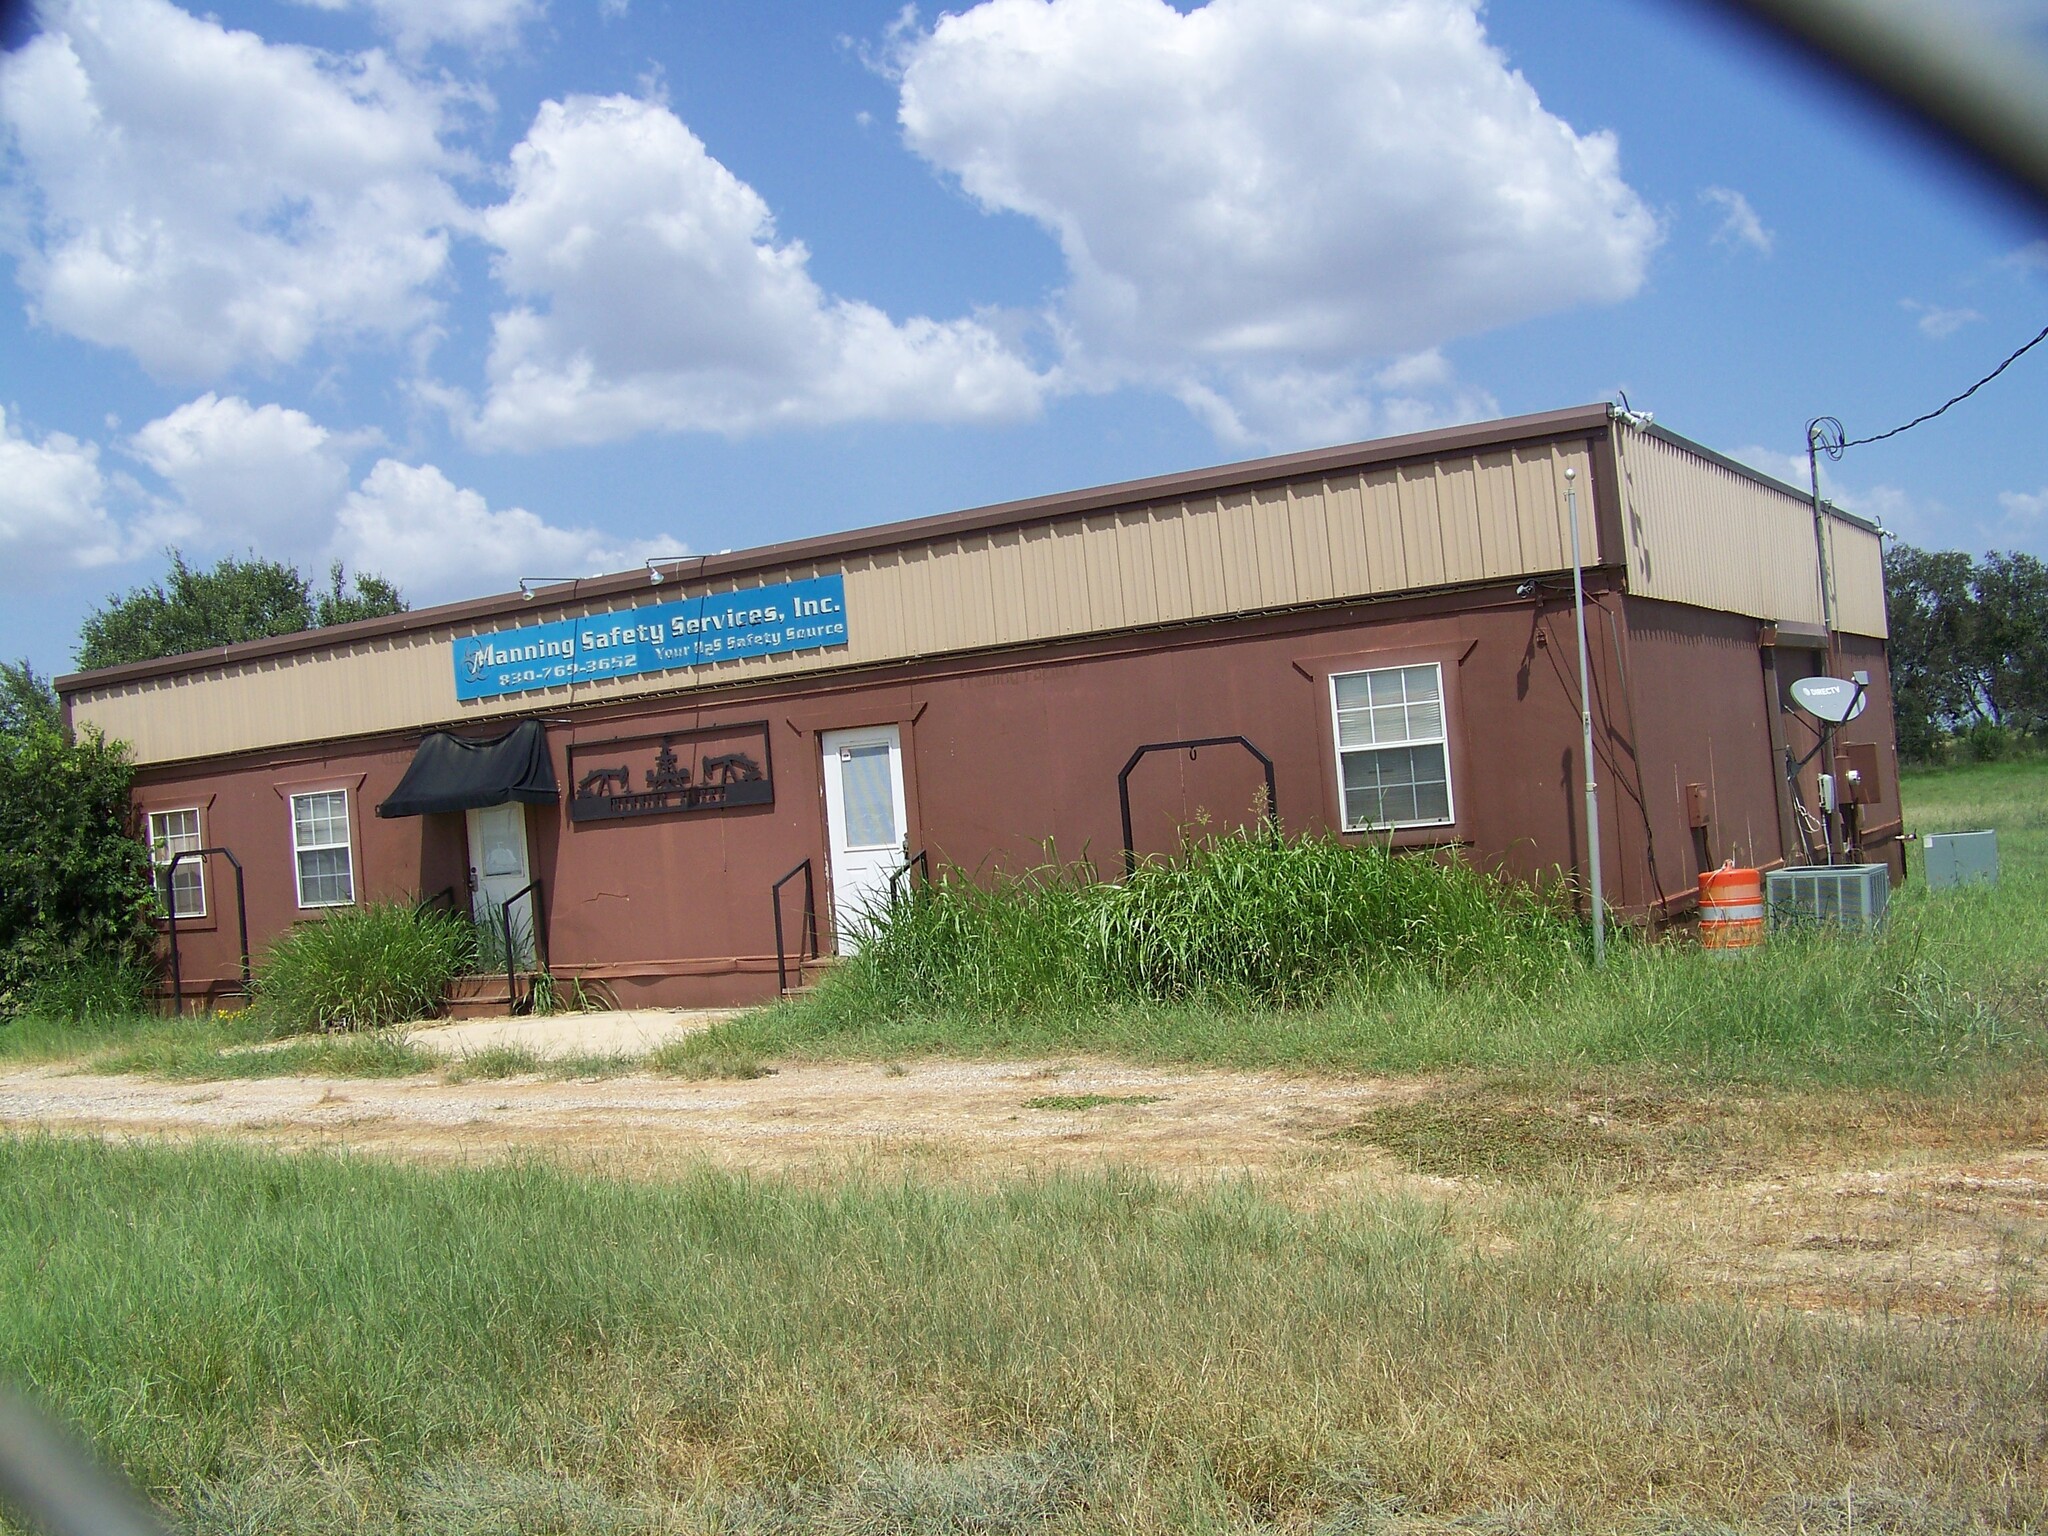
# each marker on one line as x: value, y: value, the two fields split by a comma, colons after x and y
x: 1859, y: 773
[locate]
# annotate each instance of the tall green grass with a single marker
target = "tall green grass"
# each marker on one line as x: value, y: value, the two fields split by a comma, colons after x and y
x: 364, y: 967
x: 1430, y: 967
x: 81, y: 985
x: 1941, y: 996
x: 1244, y: 918
x: 306, y: 1344
x: 45, y: 1037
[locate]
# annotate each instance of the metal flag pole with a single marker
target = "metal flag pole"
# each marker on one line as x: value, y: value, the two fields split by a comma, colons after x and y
x: 1571, y: 501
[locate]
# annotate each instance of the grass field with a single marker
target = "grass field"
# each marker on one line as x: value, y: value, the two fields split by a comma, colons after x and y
x: 312, y: 1344
x: 276, y: 1343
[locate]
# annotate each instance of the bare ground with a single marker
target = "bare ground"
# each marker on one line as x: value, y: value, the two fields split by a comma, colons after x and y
x: 1876, y: 1220
x: 966, y: 1118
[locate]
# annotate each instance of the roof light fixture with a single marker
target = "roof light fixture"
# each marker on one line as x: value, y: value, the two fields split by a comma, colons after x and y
x: 528, y: 583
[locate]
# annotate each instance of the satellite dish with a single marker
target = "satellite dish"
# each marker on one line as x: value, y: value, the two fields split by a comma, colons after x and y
x: 1833, y: 699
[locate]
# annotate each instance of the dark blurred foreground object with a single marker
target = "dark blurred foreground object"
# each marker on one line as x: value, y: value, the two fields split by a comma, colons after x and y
x: 1984, y: 89
x: 49, y: 1482
x: 17, y: 24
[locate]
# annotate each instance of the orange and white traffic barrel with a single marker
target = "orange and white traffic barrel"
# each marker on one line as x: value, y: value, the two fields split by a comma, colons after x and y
x: 1731, y: 908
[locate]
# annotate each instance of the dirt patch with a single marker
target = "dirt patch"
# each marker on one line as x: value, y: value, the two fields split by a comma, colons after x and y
x: 615, y: 1032
x: 969, y: 1118
x: 1923, y: 1237
x: 1766, y: 1203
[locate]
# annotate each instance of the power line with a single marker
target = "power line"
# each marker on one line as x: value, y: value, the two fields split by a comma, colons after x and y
x: 1957, y: 400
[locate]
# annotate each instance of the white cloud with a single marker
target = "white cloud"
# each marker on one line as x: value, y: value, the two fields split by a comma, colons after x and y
x: 1788, y: 467
x: 435, y: 539
x: 1739, y: 222
x: 204, y: 199
x: 2031, y: 257
x: 658, y: 297
x: 1252, y: 193
x: 416, y: 25
x: 53, y: 512
x: 2021, y: 523
x: 1253, y: 407
x: 269, y: 478
x: 1914, y: 518
x: 1937, y: 323
x: 265, y: 477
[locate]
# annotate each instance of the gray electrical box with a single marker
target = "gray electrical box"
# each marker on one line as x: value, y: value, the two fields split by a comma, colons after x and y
x: 1960, y: 858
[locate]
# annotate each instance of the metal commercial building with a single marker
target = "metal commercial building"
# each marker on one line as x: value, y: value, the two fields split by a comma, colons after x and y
x: 1383, y: 633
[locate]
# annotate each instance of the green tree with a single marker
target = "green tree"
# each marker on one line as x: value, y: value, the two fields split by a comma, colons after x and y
x: 75, y: 889
x: 2011, y: 650
x: 1932, y: 601
x: 1969, y: 646
x: 26, y: 701
x: 195, y: 610
x: 373, y: 598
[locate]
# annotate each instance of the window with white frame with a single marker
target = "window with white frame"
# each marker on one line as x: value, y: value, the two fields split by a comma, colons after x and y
x: 1393, y: 760
x: 320, y: 847
x: 183, y: 889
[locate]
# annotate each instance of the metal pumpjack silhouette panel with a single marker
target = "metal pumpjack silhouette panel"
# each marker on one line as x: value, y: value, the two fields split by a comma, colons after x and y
x: 716, y: 768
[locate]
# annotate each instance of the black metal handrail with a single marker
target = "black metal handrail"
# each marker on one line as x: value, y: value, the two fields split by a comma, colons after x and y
x: 171, y: 919
x: 810, y: 924
x: 532, y: 892
x: 1123, y: 783
x: 916, y: 861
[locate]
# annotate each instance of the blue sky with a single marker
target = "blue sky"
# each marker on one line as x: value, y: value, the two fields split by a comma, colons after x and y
x: 472, y: 290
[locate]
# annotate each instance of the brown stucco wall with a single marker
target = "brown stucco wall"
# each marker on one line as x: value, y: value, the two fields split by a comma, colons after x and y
x: 1708, y: 701
x: 1882, y: 821
x: 1696, y: 680
x: 1004, y: 756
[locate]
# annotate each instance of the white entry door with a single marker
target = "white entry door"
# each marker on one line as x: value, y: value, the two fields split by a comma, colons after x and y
x: 865, y: 819
x: 498, y: 871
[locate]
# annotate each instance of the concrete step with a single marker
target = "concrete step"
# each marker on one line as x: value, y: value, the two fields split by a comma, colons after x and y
x: 809, y: 973
x: 485, y: 997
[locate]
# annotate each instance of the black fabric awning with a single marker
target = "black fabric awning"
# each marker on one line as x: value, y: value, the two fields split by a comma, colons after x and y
x: 459, y: 773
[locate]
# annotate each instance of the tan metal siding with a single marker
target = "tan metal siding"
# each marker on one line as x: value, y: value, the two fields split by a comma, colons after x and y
x: 1320, y: 539
x: 1699, y: 532
x: 1858, y: 558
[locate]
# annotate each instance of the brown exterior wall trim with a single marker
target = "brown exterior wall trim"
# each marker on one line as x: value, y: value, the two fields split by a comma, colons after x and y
x: 1577, y: 421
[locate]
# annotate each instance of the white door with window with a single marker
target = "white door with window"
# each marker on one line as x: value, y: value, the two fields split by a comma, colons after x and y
x: 498, y: 871
x: 865, y: 820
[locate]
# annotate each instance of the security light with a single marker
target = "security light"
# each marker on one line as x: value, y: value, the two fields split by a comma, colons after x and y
x: 528, y: 583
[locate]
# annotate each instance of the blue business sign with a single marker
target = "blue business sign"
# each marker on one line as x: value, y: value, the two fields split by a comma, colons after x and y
x: 719, y: 626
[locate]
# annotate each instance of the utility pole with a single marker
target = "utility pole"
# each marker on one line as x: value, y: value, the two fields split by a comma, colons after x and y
x: 1571, y: 501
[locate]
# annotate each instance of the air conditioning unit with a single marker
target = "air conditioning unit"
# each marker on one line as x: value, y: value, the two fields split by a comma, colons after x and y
x: 1852, y: 895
